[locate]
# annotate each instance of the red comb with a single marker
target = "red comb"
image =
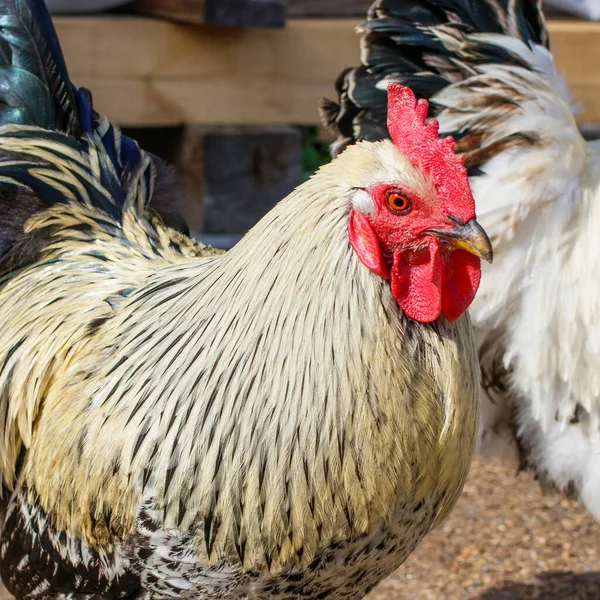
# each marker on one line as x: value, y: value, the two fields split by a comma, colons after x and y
x: 434, y: 155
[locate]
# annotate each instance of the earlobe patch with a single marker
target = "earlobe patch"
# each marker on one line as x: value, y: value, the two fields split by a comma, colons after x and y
x: 366, y: 245
x: 363, y: 202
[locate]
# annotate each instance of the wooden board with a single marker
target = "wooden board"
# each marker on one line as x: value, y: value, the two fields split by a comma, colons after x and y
x: 250, y: 13
x: 576, y: 46
x: 149, y: 72
x: 328, y: 8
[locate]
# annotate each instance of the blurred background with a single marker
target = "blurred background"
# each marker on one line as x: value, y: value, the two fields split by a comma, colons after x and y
x: 228, y: 92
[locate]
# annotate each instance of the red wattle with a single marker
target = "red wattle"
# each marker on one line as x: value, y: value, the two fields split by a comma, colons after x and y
x: 462, y: 273
x: 425, y: 282
x: 417, y: 282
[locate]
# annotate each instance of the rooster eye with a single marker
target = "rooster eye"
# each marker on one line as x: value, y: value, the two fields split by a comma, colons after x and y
x: 397, y: 202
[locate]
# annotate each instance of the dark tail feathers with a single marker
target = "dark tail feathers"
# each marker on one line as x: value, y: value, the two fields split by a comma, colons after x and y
x: 35, y: 90
x: 411, y: 42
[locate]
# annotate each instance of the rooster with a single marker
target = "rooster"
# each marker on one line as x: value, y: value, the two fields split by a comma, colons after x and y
x: 287, y: 419
x: 491, y: 81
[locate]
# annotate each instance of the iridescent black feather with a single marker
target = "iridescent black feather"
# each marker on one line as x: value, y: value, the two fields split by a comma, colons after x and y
x: 34, y: 84
x: 35, y: 91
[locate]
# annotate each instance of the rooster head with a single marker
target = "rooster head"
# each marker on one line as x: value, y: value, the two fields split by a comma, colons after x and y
x: 415, y: 225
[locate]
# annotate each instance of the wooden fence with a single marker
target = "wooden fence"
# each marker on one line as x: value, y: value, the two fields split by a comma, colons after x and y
x: 145, y: 71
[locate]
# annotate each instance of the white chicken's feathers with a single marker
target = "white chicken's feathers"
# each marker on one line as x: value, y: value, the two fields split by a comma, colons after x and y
x: 538, y: 305
x: 492, y: 84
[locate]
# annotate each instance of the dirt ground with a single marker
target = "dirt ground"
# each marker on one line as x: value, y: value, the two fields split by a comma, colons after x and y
x: 505, y: 540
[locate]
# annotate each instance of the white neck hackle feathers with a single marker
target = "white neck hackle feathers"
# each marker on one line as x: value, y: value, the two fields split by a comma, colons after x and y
x: 281, y: 374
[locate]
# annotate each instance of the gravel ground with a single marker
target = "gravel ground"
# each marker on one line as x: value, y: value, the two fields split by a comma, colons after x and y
x: 505, y: 540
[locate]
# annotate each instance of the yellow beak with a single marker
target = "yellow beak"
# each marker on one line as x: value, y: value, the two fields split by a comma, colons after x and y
x: 469, y: 236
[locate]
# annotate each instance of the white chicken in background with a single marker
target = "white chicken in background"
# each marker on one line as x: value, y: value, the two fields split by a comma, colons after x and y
x: 493, y: 85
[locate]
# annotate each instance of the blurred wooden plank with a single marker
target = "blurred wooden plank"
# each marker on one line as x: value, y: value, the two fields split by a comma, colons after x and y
x: 149, y: 72
x: 558, y: 15
x: 359, y: 8
x: 249, y: 13
x: 328, y: 8
x: 202, y: 102
x: 575, y: 45
x: 148, y: 49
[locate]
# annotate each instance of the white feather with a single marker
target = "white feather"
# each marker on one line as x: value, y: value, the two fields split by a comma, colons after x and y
x: 363, y: 202
x: 539, y: 302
